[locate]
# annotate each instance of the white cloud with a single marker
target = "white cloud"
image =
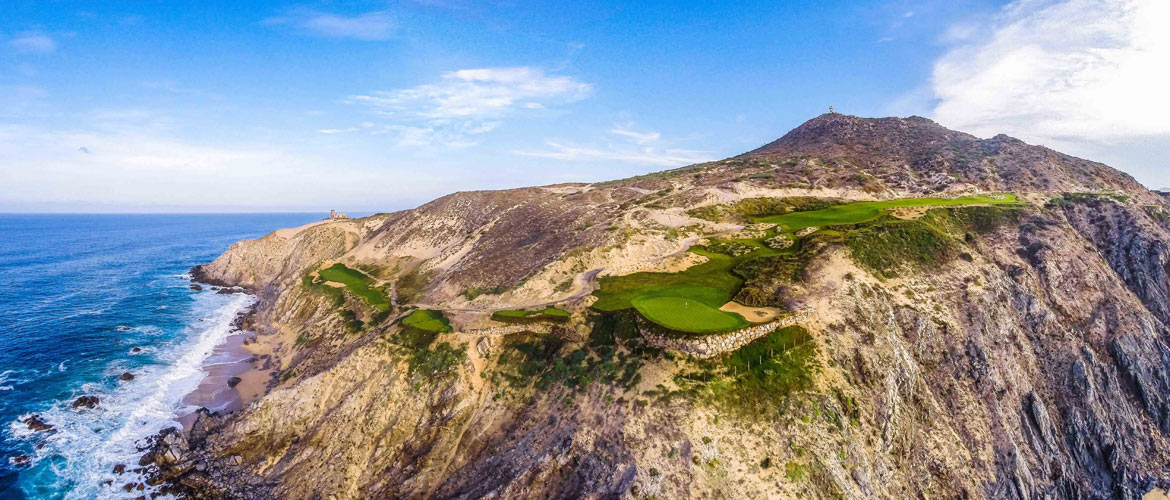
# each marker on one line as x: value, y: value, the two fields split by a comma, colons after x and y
x: 466, y: 103
x: 477, y: 93
x: 1063, y: 72
x: 638, y: 137
x: 33, y: 43
x: 637, y: 147
x: 97, y: 168
x: 371, y: 26
x: 644, y: 156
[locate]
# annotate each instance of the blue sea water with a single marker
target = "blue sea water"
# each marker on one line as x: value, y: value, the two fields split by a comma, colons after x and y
x: 77, y: 294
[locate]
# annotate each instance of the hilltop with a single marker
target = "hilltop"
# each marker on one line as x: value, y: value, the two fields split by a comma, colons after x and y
x: 863, y: 307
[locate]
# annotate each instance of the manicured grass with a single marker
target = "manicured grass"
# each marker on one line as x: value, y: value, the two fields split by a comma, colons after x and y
x: 618, y: 292
x: 689, y: 301
x: 853, y: 213
x: 706, y: 287
x: 522, y: 313
x: 678, y: 313
x: 426, y: 319
x: 357, y: 282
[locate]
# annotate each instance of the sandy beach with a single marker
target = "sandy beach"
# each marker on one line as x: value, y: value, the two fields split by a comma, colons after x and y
x: 243, y: 355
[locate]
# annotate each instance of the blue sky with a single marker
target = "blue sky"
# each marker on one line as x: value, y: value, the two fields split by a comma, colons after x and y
x: 374, y: 106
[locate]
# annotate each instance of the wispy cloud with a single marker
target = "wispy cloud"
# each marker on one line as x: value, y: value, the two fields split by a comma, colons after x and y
x: 638, y: 137
x: 32, y: 42
x: 370, y: 26
x: 465, y: 104
x: 477, y: 93
x: 1060, y: 71
x: 633, y: 147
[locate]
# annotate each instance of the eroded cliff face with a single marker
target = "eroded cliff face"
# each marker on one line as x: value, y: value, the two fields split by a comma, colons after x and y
x: 1033, y: 363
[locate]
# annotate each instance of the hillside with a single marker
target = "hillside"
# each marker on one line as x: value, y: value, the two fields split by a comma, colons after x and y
x: 862, y: 308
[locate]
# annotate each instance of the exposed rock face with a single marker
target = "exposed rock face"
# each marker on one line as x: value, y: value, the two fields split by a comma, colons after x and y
x: 35, y: 424
x: 90, y: 402
x: 1036, y: 366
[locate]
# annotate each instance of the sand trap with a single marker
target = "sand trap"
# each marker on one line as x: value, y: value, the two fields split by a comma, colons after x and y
x: 909, y: 212
x: 335, y: 284
x: 753, y: 314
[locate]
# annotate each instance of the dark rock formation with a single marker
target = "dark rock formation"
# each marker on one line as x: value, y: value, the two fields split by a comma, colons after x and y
x: 90, y: 402
x: 126, y: 377
x: 35, y: 424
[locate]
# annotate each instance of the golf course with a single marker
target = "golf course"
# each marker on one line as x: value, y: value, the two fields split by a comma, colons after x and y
x: 689, y: 301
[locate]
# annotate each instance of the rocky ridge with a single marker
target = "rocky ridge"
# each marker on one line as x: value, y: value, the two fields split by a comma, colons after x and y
x: 1038, y: 365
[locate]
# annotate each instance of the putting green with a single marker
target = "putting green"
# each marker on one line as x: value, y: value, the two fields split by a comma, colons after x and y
x: 689, y: 300
x: 426, y: 319
x: 687, y: 315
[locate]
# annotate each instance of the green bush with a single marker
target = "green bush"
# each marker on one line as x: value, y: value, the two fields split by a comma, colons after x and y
x: 757, y: 379
x: 730, y: 247
x: 887, y: 246
x: 542, y: 361
x: 437, y: 362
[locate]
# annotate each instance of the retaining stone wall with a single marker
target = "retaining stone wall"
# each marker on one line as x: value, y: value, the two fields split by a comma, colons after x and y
x: 708, y: 346
x: 537, y: 327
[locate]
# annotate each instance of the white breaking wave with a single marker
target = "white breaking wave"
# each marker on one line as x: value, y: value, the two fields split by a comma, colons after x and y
x: 91, y: 442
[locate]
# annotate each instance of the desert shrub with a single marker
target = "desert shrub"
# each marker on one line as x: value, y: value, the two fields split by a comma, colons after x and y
x: 886, y: 246
x: 351, y: 321
x: 436, y: 362
x: 732, y: 248
x: 411, y: 285
x: 757, y: 379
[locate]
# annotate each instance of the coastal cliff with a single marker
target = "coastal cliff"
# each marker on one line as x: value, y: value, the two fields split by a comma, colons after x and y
x: 975, y: 349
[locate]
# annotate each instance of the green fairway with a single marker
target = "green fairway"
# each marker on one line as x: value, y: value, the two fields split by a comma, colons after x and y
x: 853, y: 213
x: 523, y: 313
x: 706, y: 287
x: 357, y: 282
x: 426, y: 319
x: 689, y: 301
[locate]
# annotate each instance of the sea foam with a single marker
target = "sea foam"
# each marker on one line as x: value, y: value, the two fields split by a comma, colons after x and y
x: 88, y: 443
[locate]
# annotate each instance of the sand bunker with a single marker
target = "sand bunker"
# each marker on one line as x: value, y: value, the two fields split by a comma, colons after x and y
x: 753, y: 314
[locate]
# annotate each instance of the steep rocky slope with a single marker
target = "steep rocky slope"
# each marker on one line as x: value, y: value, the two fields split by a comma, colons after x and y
x: 1029, y: 359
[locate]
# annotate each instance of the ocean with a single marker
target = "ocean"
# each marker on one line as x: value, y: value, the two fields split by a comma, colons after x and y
x: 84, y: 298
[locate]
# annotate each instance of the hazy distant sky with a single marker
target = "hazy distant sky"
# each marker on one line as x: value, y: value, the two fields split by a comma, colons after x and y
x: 373, y: 106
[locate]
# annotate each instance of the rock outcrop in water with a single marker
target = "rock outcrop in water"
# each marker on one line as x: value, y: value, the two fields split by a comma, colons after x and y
x: 1032, y: 359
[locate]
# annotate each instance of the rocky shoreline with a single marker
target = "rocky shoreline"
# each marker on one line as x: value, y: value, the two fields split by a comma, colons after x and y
x: 1028, y: 364
x: 181, y: 464
x: 175, y: 459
